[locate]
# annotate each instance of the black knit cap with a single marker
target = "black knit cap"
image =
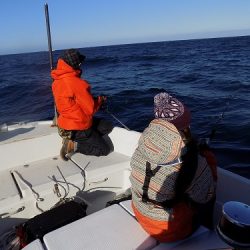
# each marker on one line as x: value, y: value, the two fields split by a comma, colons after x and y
x: 73, y: 58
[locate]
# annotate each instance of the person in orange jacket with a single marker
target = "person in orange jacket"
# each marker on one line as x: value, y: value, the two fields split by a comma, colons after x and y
x: 76, y: 107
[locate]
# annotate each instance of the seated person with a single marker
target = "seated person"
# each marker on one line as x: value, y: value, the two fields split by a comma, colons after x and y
x: 170, y: 182
x: 76, y: 108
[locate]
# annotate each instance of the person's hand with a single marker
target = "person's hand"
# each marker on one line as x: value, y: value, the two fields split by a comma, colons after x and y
x: 103, y: 102
x: 103, y: 98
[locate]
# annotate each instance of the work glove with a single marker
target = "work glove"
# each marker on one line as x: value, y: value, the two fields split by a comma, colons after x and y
x: 104, y: 102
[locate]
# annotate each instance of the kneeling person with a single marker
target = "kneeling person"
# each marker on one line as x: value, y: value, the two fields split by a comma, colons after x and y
x: 76, y: 107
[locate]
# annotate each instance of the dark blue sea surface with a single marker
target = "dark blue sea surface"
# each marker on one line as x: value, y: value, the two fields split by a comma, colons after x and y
x: 211, y: 76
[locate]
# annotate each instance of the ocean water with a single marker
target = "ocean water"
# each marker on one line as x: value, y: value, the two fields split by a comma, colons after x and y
x: 211, y: 76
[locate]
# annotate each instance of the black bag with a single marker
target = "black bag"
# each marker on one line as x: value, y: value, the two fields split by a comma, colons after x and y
x: 38, y: 226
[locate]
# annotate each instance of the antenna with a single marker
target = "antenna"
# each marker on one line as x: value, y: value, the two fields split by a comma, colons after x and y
x: 46, y: 9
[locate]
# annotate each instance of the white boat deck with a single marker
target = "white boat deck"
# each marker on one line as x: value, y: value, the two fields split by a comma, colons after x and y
x: 114, y: 228
x: 30, y: 169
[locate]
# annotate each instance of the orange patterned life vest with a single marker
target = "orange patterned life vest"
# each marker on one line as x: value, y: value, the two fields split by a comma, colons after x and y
x: 159, y: 146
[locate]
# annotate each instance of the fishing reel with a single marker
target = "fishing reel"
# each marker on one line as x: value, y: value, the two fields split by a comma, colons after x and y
x: 203, y: 144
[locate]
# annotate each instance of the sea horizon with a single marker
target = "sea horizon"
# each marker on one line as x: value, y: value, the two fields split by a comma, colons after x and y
x: 132, y: 43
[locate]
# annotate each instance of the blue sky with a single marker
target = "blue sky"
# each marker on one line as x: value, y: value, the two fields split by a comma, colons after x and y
x: 85, y: 23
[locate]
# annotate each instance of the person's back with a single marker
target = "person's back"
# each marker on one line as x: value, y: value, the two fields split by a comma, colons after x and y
x: 163, y: 204
x: 74, y: 101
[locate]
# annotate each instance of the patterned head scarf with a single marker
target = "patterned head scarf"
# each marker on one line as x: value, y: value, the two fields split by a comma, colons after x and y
x: 160, y: 142
x: 172, y: 110
x: 73, y: 58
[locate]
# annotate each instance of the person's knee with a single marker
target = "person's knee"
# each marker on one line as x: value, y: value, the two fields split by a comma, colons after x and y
x: 96, y: 151
x: 105, y: 151
x: 105, y: 127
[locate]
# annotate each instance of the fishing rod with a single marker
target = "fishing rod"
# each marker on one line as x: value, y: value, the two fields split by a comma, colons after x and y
x: 46, y: 10
x: 203, y: 141
x: 106, y: 109
x: 216, y: 125
x: 117, y: 119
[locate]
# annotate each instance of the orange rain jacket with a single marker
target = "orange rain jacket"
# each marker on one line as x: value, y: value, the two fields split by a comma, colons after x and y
x: 74, y: 102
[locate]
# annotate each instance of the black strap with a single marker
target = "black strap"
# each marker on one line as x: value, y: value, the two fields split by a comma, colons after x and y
x: 147, y: 179
x: 149, y: 174
x: 186, y: 175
